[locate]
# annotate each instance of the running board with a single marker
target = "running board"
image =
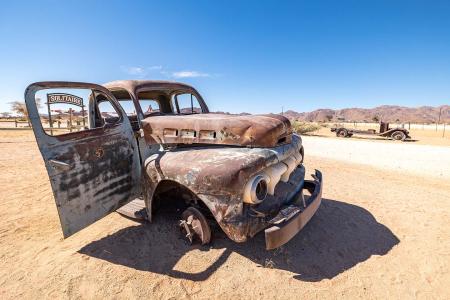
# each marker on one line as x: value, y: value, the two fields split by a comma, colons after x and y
x: 134, y: 210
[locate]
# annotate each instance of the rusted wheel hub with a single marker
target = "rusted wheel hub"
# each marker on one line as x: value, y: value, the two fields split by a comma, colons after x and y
x: 398, y: 136
x: 195, y: 226
x: 342, y: 133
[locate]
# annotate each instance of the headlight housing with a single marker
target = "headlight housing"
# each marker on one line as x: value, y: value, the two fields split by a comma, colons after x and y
x: 264, y: 183
x: 256, y: 189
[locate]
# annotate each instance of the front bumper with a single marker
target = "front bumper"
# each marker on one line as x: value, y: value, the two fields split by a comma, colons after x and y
x: 292, y: 218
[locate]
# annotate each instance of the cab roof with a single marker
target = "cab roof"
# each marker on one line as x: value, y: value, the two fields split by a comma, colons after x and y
x: 133, y: 86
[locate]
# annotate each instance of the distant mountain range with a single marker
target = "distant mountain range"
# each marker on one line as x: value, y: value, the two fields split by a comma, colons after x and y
x: 387, y: 113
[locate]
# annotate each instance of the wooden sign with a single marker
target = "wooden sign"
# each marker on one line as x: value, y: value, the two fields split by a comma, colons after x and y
x: 64, y: 98
x: 67, y: 99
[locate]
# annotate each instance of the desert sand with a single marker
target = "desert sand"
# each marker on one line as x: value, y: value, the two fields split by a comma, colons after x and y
x: 379, y: 233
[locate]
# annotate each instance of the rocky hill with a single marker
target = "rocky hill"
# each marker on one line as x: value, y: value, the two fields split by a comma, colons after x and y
x: 388, y: 113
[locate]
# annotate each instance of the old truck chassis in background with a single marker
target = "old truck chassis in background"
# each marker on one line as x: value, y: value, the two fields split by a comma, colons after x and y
x: 398, y: 134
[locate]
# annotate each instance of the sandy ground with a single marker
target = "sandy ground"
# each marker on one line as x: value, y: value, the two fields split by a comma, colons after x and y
x: 375, y: 236
x: 408, y: 158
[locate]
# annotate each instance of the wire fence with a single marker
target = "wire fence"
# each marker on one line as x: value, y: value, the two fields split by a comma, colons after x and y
x: 64, y: 125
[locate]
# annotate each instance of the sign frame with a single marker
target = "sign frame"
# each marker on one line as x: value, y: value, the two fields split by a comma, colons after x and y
x: 54, y: 98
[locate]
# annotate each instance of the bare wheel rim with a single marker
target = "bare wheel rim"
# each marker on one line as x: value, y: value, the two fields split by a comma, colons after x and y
x: 398, y: 136
x: 195, y: 226
x: 342, y: 133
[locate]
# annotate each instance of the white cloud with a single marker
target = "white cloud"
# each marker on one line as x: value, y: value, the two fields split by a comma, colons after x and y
x: 189, y: 74
x: 136, y: 71
x: 140, y: 71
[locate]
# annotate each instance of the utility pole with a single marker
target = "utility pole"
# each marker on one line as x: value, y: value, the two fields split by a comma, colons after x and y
x: 439, y: 118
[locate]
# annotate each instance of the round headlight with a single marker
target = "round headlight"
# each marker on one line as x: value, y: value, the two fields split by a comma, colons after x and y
x: 256, y: 189
x: 261, y: 190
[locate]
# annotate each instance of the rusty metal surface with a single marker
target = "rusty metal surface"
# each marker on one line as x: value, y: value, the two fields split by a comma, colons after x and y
x: 92, y: 172
x: 255, y: 130
x: 250, y: 130
x: 386, y: 133
x: 134, y: 209
x: 288, y: 225
x: 134, y: 87
x: 96, y: 171
x: 218, y: 174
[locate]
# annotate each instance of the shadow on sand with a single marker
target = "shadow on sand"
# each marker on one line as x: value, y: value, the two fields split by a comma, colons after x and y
x: 337, y: 238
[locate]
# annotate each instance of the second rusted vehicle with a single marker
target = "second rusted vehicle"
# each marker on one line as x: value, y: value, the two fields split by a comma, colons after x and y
x: 397, y: 133
x: 157, y: 144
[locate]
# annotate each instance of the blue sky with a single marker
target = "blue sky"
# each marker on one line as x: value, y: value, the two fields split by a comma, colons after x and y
x: 242, y: 56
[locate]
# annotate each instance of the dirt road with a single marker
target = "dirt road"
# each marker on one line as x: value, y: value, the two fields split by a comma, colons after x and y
x: 405, y: 157
x: 376, y: 235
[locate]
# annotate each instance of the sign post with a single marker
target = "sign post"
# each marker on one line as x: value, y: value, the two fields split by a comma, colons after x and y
x: 49, y: 117
x: 83, y: 116
x: 53, y: 98
x: 70, y: 119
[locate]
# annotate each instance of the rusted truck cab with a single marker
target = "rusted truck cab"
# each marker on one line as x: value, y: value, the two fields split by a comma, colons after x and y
x: 158, y: 142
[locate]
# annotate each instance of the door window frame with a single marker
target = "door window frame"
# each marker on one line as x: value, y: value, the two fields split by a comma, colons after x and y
x: 33, y: 112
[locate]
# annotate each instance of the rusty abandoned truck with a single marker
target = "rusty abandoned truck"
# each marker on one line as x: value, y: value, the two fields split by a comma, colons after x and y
x: 155, y: 142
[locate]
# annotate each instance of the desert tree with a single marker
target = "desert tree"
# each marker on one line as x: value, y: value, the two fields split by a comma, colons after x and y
x: 20, y: 108
x: 5, y: 114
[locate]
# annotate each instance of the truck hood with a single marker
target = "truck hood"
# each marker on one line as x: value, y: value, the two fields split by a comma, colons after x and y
x: 249, y: 130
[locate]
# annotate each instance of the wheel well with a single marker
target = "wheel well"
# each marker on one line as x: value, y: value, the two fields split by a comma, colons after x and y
x: 171, y: 196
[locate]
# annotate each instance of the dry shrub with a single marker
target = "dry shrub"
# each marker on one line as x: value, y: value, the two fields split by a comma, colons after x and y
x: 305, y: 127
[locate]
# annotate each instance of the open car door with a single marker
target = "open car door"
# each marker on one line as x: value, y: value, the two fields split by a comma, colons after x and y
x: 91, y: 155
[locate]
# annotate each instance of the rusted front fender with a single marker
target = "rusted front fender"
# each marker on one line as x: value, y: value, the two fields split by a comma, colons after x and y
x: 217, y: 176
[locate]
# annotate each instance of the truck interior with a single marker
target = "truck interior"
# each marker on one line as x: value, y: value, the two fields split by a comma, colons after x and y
x: 152, y: 103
